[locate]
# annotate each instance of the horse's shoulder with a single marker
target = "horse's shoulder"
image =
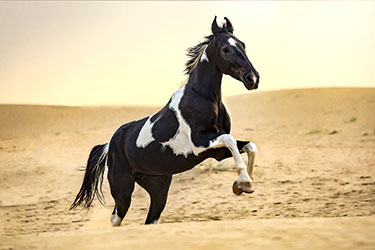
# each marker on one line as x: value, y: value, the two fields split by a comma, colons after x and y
x: 166, y: 125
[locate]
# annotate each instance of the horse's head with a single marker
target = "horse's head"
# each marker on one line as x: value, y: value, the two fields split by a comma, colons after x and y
x: 231, y: 56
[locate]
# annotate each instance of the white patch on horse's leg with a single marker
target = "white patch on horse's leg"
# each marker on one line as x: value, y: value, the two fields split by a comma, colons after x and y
x: 204, y: 55
x: 156, y: 221
x: 232, y: 42
x: 228, y: 141
x: 116, y: 220
x: 145, y: 136
x: 251, y: 151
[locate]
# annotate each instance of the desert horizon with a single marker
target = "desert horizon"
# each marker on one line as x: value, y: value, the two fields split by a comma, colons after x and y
x: 328, y: 87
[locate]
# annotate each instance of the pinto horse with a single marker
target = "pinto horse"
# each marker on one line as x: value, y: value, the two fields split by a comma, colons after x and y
x: 193, y: 126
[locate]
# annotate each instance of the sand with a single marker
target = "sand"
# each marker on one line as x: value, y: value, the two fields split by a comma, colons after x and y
x: 314, y: 178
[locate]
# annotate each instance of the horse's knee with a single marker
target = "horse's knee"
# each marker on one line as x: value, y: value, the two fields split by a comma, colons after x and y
x: 224, y: 140
x: 250, y: 148
x: 229, y: 140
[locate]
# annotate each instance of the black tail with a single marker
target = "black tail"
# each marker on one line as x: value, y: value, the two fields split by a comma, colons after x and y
x: 93, y: 180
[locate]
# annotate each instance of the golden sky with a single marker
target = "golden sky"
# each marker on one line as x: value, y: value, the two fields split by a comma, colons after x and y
x: 94, y: 53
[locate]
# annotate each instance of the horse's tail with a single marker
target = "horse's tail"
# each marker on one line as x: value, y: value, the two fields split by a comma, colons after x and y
x: 93, y: 180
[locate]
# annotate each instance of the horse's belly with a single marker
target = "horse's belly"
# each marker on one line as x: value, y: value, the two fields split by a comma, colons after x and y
x: 157, y: 159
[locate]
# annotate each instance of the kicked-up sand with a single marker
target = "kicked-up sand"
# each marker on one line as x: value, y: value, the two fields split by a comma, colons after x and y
x: 314, y: 178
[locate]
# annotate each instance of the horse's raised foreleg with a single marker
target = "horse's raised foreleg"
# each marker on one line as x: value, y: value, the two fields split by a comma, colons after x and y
x: 157, y: 187
x: 244, y: 182
x: 251, y: 150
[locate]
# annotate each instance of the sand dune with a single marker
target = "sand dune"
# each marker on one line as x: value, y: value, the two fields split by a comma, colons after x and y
x: 314, y: 181
x: 297, y: 233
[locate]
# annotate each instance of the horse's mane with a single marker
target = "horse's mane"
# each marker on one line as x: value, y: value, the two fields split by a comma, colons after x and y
x: 194, y: 53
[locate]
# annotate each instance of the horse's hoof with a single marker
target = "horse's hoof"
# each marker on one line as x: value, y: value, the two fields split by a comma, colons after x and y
x: 236, y: 189
x: 240, y: 187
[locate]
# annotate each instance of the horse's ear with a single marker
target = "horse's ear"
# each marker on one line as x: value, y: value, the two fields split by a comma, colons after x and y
x: 228, y: 25
x: 215, y: 28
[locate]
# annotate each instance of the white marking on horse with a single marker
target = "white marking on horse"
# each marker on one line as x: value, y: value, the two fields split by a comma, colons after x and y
x: 116, y: 220
x: 145, y: 136
x: 232, y: 42
x: 181, y: 142
x: 156, y: 221
x: 204, y: 55
x: 251, y: 150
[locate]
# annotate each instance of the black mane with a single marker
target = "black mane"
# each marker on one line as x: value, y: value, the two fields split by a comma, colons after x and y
x: 194, y: 53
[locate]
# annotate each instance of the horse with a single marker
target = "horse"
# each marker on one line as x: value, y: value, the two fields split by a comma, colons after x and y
x: 193, y: 126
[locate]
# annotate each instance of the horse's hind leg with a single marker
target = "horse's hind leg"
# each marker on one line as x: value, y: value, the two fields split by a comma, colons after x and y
x: 121, y: 183
x: 115, y: 219
x: 121, y: 192
x: 157, y: 187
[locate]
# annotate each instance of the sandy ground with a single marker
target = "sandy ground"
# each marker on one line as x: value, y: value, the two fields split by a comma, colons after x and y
x: 315, y: 178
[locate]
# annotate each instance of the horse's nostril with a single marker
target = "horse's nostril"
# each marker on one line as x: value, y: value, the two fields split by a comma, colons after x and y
x: 249, y: 78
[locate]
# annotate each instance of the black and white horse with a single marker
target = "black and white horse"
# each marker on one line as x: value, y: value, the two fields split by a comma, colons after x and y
x: 193, y: 126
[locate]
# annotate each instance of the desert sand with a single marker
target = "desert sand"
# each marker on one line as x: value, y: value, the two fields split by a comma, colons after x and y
x: 314, y: 178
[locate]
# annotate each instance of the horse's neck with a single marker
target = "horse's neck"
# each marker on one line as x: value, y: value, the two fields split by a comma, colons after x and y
x: 206, y: 81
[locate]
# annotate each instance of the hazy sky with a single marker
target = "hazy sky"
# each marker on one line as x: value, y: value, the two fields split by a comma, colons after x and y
x: 76, y: 53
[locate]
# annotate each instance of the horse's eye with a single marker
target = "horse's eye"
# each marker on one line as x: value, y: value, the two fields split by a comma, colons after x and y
x: 226, y: 50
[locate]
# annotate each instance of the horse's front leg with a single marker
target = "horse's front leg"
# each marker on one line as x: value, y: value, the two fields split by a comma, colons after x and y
x: 251, y: 150
x: 244, y: 183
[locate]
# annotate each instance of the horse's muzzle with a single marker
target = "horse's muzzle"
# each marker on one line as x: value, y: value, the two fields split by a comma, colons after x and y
x: 251, y: 81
